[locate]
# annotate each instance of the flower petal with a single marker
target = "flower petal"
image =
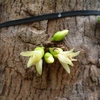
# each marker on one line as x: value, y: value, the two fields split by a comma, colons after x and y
x: 70, y: 53
x: 75, y: 54
x: 66, y: 67
x: 67, y: 53
x: 39, y: 67
x: 30, y: 61
x: 27, y: 53
x: 36, y: 57
x: 64, y: 59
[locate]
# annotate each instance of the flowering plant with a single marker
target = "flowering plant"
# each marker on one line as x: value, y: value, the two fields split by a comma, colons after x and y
x: 66, y: 58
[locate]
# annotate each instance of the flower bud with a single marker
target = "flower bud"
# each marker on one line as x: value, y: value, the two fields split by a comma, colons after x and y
x: 58, y: 36
x: 55, y: 51
x: 48, y: 57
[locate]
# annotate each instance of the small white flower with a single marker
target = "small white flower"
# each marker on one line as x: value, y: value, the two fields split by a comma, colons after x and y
x: 65, y: 57
x: 35, y: 58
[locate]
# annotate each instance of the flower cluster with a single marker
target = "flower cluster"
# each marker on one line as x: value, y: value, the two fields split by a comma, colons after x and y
x: 64, y: 57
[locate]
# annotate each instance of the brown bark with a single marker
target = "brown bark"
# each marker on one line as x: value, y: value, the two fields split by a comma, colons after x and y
x: 19, y: 83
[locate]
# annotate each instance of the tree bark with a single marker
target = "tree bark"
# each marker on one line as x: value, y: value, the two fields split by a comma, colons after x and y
x: 19, y: 83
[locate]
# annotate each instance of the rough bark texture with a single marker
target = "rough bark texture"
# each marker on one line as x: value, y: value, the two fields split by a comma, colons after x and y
x: 19, y: 83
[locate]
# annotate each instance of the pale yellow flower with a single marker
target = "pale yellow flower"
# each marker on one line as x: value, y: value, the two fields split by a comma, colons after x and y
x: 65, y: 57
x: 35, y: 58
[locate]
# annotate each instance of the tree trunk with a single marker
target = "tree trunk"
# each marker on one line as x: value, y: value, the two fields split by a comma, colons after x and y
x: 19, y: 83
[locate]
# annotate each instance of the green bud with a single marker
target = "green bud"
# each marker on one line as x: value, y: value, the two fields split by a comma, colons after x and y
x: 48, y: 58
x: 55, y: 51
x: 58, y: 36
